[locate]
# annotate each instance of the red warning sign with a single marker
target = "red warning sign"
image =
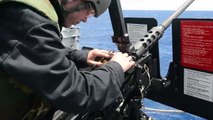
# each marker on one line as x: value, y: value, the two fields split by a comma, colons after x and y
x: 197, y: 44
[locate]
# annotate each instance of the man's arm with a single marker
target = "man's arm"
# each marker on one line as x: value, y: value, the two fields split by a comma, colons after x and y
x: 39, y: 61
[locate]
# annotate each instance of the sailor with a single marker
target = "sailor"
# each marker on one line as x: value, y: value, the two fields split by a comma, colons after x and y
x: 38, y: 74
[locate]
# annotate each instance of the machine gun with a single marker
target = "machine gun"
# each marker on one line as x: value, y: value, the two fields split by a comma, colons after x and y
x: 138, y: 78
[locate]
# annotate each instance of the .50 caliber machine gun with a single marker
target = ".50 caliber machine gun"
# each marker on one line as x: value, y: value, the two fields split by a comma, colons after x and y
x: 138, y: 78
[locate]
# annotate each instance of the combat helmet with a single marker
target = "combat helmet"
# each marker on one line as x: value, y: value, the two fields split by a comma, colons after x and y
x: 99, y: 6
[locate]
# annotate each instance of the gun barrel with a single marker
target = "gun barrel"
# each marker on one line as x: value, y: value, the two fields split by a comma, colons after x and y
x: 167, y: 22
x: 149, y: 39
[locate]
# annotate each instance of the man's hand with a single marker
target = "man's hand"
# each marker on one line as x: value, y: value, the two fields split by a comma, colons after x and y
x: 95, y: 53
x: 124, y: 60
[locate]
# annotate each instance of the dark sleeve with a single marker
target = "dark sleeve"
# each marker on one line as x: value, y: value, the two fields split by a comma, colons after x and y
x: 79, y: 57
x: 40, y: 62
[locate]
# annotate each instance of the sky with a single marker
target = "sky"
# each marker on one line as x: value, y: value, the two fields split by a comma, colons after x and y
x: 202, y: 5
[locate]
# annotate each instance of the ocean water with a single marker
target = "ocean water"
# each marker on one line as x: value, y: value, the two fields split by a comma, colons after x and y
x: 97, y: 32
